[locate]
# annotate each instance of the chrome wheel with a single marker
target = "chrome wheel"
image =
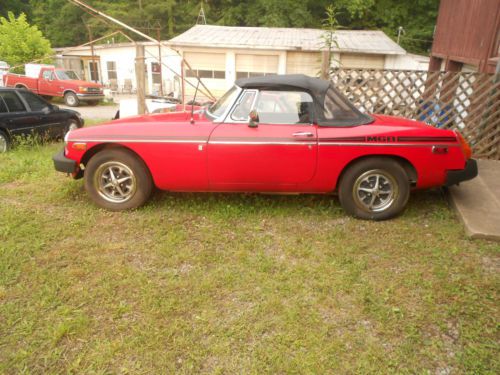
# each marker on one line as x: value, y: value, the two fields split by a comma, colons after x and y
x: 115, y: 182
x: 3, y: 143
x: 72, y: 126
x: 375, y: 191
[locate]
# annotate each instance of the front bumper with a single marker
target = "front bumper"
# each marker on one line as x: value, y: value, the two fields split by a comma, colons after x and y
x: 468, y: 173
x: 90, y: 96
x: 63, y: 164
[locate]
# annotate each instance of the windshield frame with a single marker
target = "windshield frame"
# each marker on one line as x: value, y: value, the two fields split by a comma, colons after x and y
x: 65, y: 72
x: 224, y: 114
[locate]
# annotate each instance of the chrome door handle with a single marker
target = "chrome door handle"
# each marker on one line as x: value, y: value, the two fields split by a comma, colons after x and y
x: 303, y: 134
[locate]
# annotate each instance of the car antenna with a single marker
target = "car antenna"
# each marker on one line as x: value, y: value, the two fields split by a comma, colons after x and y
x: 192, y: 103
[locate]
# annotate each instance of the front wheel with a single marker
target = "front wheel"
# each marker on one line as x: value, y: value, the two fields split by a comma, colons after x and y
x: 374, y: 189
x: 71, y: 99
x: 117, y: 180
x: 72, y: 125
x: 4, y: 142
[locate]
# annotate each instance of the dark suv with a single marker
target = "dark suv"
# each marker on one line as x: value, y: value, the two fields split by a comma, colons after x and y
x: 25, y: 113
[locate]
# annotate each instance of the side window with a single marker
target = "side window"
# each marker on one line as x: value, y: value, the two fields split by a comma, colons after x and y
x: 244, y: 106
x: 285, y: 107
x: 47, y: 74
x: 12, y: 101
x: 3, y: 107
x: 34, y: 101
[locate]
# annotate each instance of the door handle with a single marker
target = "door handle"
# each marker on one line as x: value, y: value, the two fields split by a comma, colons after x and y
x: 303, y: 134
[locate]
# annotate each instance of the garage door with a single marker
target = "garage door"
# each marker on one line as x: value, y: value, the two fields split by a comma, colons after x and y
x: 364, y: 61
x: 308, y: 63
x: 211, y: 67
x: 256, y: 65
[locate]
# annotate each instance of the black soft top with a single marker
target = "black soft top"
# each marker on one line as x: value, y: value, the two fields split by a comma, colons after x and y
x: 331, y: 107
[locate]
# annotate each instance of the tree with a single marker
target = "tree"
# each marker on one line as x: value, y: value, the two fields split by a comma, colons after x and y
x: 21, y: 43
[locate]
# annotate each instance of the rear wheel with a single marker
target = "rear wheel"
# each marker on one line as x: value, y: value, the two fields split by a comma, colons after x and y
x: 117, y: 180
x: 4, y: 142
x: 71, y: 99
x: 375, y: 189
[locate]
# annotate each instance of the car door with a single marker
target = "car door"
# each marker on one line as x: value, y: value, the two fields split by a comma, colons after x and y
x: 50, y: 123
x: 48, y: 84
x: 274, y: 154
x: 19, y: 120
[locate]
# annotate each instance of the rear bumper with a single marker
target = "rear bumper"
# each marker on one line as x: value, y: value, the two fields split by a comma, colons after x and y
x: 468, y: 173
x: 63, y: 164
x: 90, y: 96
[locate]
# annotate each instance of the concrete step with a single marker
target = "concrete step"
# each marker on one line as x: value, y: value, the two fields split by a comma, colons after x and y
x: 477, y: 202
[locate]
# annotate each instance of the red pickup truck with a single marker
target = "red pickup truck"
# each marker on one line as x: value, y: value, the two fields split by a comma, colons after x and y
x: 48, y: 81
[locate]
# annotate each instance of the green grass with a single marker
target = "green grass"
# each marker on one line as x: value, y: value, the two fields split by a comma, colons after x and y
x: 213, y: 283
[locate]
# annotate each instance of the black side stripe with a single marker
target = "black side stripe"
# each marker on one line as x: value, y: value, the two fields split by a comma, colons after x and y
x: 427, y: 139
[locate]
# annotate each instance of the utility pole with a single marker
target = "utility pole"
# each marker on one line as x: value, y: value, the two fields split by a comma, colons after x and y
x: 140, y: 76
x: 202, y: 20
x: 93, y: 64
x: 158, y: 35
x: 400, y: 32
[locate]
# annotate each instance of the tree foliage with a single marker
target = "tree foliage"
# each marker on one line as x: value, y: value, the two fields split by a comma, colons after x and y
x: 20, y: 42
x: 63, y: 23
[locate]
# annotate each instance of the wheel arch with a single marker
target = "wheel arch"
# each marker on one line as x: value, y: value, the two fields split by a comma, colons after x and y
x: 103, y: 146
x: 409, y: 168
x: 69, y: 90
x: 21, y: 86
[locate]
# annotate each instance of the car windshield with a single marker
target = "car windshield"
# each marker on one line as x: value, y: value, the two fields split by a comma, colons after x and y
x: 67, y: 75
x: 221, y: 105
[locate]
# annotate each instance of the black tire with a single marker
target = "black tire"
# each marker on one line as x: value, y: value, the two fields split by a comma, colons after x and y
x: 360, y: 197
x: 133, y: 192
x: 93, y: 102
x: 4, y: 142
x: 71, y: 99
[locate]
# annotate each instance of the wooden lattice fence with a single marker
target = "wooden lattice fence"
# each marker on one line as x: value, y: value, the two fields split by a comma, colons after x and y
x: 469, y: 102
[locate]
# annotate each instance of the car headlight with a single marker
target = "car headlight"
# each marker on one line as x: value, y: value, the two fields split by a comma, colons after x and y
x: 83, y: 89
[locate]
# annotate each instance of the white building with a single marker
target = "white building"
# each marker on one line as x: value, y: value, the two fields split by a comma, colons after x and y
x: 222, y: 54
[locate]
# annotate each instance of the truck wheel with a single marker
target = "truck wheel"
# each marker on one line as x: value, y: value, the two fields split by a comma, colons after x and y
x: 117, y: 180
x: 4, y: 142
x: 71, y: 99
x: 374, y: 189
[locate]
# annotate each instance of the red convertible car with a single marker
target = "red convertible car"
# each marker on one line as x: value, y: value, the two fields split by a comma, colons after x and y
x: 280, y: 134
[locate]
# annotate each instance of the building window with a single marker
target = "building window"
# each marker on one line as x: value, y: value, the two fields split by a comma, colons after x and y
x: 111, y: 65
x: 156, y: 72
x: 203, y: 73
x: 252, y: 74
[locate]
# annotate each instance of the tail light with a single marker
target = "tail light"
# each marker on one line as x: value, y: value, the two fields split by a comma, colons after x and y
x: 465, y: 146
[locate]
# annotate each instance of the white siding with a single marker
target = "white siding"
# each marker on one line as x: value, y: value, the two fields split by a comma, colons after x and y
x: 363, y: 61
x: 308, y: 63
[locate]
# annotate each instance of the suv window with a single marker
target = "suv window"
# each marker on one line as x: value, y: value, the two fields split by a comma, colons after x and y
x: 285, y: 107
x: 12, y: 101
x: 34, y: 101
x: 3, y: 107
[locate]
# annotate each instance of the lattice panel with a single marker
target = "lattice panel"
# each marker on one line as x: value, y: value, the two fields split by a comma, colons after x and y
x: 469, y: 102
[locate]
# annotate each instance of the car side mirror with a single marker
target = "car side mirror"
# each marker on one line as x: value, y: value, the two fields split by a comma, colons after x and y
x: 254, y: 119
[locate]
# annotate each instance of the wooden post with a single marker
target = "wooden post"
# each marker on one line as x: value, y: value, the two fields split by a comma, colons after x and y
x: 140, y: 76
x: 325, y: 64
